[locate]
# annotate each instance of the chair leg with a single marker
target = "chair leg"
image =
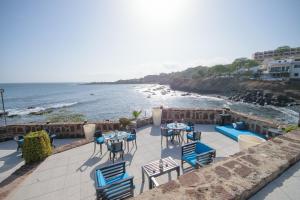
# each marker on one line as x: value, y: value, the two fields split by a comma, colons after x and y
x: 127, y: 146
x: 101, y: 149
x: 114, y: 157
x: 135, y: 144
x: 161, y: 140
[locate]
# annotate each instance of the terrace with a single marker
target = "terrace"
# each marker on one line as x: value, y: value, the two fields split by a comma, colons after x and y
x: 71, y: 173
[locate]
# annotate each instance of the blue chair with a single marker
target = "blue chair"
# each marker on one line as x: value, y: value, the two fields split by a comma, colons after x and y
x: 98, y: 139
x: 197, y: 154
x: 51, y: 136
x: 194, y: 136
x: 164, y: 132
x: 114, y: 148
x: 131, y: 138
x: 190, y: 127
x: 112, y: 182
x: 20, y: 141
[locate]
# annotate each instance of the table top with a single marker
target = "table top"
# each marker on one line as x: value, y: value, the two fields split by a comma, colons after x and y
x: 152, y: 169
x: 116, y: 135
x: 179, y: 126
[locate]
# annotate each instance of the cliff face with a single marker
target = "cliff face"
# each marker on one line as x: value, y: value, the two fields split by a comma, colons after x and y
x: 228, y: 86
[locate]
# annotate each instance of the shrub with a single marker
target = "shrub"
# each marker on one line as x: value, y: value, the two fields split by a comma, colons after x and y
x: 36, y: 146
x: 124, y: 122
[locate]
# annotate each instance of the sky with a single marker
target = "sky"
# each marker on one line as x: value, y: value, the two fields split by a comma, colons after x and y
x: 108, y: 40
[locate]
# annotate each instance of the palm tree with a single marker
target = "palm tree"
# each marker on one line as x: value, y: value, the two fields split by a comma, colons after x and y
x: 136, y: 114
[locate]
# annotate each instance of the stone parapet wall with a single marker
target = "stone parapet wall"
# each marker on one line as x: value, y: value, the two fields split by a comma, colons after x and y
x: 255, y: 124
x: 198, y: 116
x: 65, y: 130
x: 237, y: 177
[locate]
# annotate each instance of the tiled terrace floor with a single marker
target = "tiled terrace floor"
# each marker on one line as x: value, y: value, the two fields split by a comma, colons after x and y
x: 11, y: 160
x: 70, y: 174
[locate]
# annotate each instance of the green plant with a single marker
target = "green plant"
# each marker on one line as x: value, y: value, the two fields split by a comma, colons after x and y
x: 65, y: 116
x: 136, y: 114
x: 124, y: 122
x: 36, y: 146
x: 290, y: 128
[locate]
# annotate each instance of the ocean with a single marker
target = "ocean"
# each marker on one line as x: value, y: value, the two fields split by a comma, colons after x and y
x: 101, y: 102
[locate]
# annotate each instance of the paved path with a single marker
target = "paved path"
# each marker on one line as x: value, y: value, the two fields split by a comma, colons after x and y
x: 70, y: 174
x: 285, y: 187
x: 11, y: 160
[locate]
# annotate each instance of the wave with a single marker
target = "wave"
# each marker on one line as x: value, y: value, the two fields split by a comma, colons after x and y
x: 30, y: 110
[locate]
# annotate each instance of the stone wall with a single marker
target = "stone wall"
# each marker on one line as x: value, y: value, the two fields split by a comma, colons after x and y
x: 212, y: 116
x: 255, y: 124
x: 237, y: 177
x: 64, y: 130
x: 198, y: 116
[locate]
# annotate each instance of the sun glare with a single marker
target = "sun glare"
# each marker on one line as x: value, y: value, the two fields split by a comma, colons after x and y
x: 159, y: 12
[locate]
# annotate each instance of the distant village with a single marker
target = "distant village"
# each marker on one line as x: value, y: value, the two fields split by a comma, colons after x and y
x: 282, y: 63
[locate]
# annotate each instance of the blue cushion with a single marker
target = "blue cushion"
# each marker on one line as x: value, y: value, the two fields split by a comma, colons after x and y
x: 100, y: 179
x: 189, y: 129
x: 100, y: 140
x: 190, y: 136
x: 131, y: 137
x: 202, y: 148
x: 190, y: 158
x: 229, y: 131
x: 240, y: 126
x: 117, y: 178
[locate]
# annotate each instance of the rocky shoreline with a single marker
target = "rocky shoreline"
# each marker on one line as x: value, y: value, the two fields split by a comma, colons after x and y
x: 262, y: 98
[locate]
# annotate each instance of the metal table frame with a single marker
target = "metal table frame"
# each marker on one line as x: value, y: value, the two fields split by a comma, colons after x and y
x: 152, y: 169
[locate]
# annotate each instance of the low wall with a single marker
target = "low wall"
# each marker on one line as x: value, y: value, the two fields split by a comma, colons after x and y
x: 212, y: 116
x: 64, y: 130
x: 256, y: 124
x: 237, y: 177
x: 197, y: 116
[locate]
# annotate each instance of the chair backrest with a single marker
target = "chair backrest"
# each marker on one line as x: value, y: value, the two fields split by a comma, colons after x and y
x: 206, y: 158
x: 98, y: 134
x: 197, y: 135
x: 163, y: 131
x: 133, y: 131
x: 190, y: 124
x: 117, y: 146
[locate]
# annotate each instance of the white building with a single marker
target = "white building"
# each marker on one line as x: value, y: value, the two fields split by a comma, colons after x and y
x: 286, y: 68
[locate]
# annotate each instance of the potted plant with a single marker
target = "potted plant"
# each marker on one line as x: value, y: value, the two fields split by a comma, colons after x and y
x: 124, y: 123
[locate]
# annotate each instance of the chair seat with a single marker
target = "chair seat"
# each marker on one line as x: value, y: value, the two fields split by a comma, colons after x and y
x: 170, y: 132
x: 103, y: 182
x: 100, y: 140
x: 189, y: 129
x: 190, y: 136
x: 131, y: 137
x: 20, y: 141
x: 190, y: 158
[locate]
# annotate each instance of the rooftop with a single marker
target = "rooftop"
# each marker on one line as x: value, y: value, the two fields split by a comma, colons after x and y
x: 70, y: 174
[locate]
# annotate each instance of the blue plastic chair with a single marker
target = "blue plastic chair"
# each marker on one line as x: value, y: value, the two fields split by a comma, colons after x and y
x: 112, y: 182
x: 114, y: 148
x: 190, y: 127
x: 197, y: 154
x: 98, y: 139
x: 20, y: 141
x: 166, y: 133
x: 131, y: 138
x: 51, y: 136
x: 194, y: 136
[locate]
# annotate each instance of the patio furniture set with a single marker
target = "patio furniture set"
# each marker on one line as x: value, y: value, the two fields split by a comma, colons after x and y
x: 113, y: 182
x: 115, y: 141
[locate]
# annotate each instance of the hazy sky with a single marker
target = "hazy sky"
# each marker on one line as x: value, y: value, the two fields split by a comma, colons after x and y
x: 86, y: 40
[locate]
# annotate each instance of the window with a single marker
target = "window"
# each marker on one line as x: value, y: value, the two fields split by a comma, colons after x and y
x: 296, y: 74
x: 297, y: 66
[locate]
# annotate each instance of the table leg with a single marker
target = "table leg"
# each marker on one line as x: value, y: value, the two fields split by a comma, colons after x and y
x: 150, y: 183
x: 178, y: 171
x: 143, y: 175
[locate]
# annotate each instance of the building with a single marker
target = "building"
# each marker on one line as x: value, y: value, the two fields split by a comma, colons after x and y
x: 278, y: 53
x: 285, y: 68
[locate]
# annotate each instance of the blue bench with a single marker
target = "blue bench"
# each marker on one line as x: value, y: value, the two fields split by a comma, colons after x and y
x: 233, y: 133
x: 112, y: 182
x: 197, y: 154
